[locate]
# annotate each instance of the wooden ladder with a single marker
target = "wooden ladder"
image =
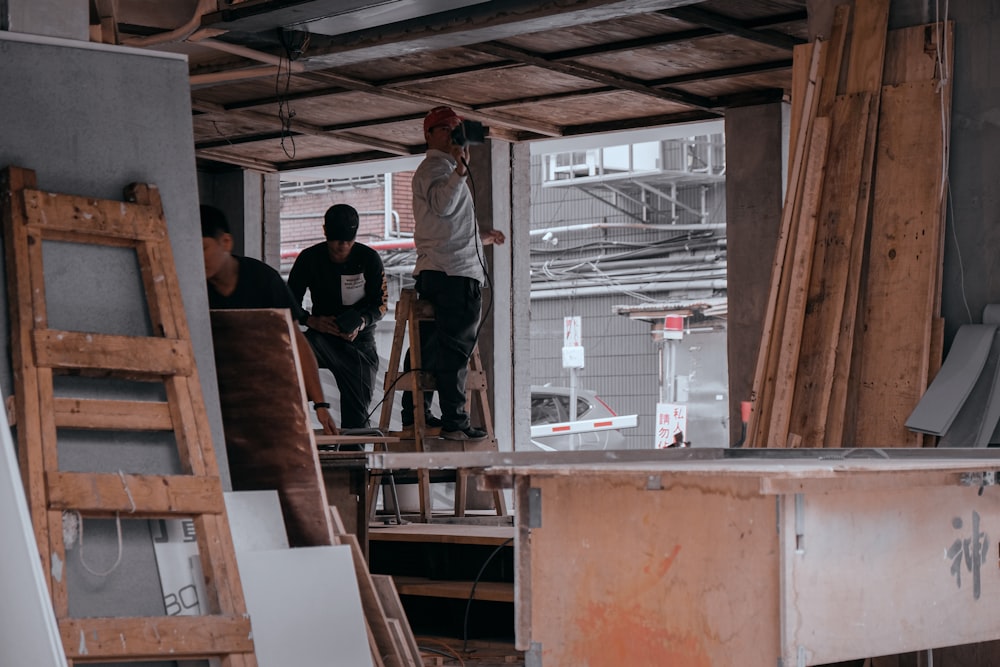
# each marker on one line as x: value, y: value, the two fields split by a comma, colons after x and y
x: 29, y: 218
x: 410, y: 311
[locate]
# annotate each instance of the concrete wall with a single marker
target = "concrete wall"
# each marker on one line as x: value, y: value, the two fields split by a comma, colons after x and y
x: 90, y: 120
x: 754, y: 187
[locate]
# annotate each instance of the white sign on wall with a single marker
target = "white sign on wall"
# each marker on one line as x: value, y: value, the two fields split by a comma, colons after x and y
x: 671, y: 422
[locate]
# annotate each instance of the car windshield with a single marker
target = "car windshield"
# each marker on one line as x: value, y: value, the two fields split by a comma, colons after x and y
x: 555, y: 409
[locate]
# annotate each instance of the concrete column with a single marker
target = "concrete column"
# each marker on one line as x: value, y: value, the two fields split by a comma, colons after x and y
x: 251, y: 202
x: 53, y: 18
x: 754, y: 185
x: 500, y: 182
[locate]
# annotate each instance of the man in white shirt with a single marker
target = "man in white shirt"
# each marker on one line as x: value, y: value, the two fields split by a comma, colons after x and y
x: 450, y: 271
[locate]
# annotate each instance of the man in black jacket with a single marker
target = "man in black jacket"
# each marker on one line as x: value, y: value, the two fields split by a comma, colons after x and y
x: 243, y: 282
x: 346, y: 281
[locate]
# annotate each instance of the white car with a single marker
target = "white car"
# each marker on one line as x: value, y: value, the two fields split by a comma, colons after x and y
x: 550, y: 405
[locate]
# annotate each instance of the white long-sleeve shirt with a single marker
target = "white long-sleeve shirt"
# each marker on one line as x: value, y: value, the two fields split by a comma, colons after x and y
x: 446, y: 234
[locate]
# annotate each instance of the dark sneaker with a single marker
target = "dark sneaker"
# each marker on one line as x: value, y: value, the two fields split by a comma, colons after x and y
x: 470, y: 433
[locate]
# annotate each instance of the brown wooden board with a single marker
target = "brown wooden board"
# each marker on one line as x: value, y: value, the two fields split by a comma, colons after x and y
x: 269, y: 437
x: 829, y: 273
x: 767, y: 358
x: 385, y: 588
x: 790, y: 343
x: 867, y: 49
x: 903, y: 263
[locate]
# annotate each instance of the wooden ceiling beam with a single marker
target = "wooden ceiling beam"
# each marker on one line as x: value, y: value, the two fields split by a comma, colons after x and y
x: 731, y: 26
x: 472, y: 25
x: 707, y: 75
x: 260, y: 117
x: 546, y: 129
x: 639, y: 123
x: 722, y: 73
x: 236, y: 160
x: 593, y: 74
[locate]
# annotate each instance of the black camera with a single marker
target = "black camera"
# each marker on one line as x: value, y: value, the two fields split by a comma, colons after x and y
x: 469, y: 132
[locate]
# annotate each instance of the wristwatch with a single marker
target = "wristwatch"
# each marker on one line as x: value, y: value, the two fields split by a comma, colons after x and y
x: 320, y: 404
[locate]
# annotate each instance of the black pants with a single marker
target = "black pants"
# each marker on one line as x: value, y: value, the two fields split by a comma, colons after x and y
x: 446, y: 343
x: 354, y: 364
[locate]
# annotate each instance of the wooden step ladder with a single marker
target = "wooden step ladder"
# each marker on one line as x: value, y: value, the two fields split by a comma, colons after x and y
x: 39, y: 353
x: 410, y: 311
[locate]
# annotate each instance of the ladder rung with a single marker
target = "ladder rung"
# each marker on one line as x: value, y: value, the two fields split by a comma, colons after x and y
x: 172, y: 637
x: 98, y: 494
x: 85, y: 413
x: 124, y: 354
x: 475, y: 381
x: 103, y: 218
x: 423, y: 310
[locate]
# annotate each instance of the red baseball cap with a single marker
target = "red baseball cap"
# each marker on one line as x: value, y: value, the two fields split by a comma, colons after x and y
x: 441, y: 116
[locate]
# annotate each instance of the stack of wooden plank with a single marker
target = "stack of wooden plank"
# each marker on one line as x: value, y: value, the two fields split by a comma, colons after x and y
x: 852, y: 332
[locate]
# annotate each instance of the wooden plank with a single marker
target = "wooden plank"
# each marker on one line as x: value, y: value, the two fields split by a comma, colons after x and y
x: 167, y: 637
x: 798, y: 282
x: 95, y: 494
x: 354, y: 439
x: 374, y: 612
x: 495, y: 591
x: 442, y: 533
x: 385, y: 587
x: 763, y: 384
x: 269, y: 437
x: 70, y: 350
x: 834, y: 59
x: 801, y: 58
x: 903, y: 261
x: 92, y: 220
x: 914, y: 53
x: 85, y: 413
x: 834, y: 237
x: 867, y: 51
x: 406, y: 655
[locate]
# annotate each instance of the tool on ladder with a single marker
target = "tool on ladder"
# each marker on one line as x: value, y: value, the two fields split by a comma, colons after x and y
x: 30, y: 219
x: 410, y: 311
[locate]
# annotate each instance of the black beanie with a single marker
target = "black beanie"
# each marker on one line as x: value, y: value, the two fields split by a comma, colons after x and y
x: 340, y: 223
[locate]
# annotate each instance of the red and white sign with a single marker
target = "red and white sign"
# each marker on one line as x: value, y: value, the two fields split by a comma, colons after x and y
x: 572, y: 331
x: 671, y: 422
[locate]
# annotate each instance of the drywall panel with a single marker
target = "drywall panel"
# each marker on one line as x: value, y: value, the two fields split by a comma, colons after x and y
x: 90, y: 119
x: 305, y: 607
x: 255, y: 520
x: 28, y: 631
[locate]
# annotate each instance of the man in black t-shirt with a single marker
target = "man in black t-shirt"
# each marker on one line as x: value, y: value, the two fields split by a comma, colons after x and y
x: 244, y: 282
x: 346, y: 281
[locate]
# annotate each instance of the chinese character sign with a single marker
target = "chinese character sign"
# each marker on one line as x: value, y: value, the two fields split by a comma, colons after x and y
x: 671, y: 422
x: 572, y: 331
x: 969, y: 553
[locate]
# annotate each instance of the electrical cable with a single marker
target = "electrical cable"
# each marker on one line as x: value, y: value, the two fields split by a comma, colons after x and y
x: 285, y: 112
x: 472, y: 593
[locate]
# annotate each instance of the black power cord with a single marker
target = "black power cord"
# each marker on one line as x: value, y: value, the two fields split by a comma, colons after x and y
x: 472, y: 593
